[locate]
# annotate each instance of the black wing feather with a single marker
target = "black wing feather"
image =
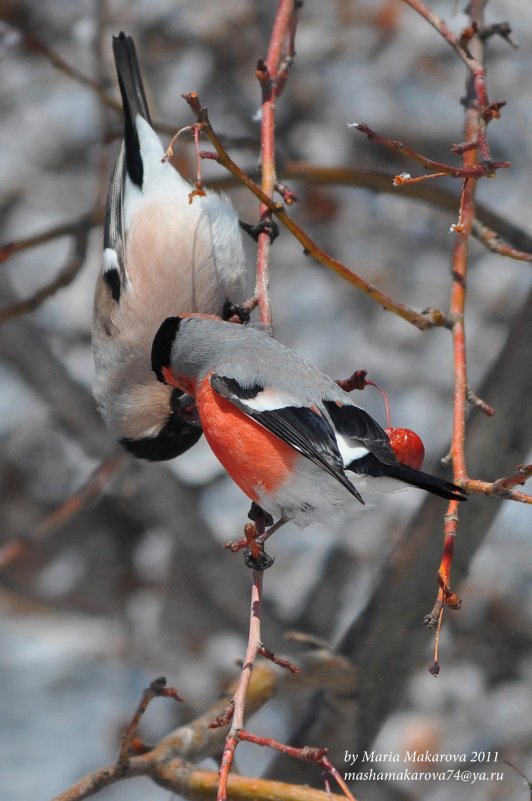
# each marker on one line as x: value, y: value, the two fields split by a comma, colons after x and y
x: 298, y: 426
x: 353, y: 423
x: 129, y: 161
x: 113, y: 229
x: 133, y: 101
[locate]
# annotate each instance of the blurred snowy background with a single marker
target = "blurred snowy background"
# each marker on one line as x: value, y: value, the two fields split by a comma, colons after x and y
x: 137, y: 585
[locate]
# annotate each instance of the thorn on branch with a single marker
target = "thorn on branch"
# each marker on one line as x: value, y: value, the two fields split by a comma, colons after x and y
x: 264, y: 78
x: 488, y: 410
x: 193, y: 101
x: 277, y: 660
x: 225, y: 717
x: 502, y: 29
x: 288, y: 195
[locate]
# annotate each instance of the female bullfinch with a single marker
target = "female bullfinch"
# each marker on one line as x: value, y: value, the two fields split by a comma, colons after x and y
x: 285, y: 432
x: 162, y: 255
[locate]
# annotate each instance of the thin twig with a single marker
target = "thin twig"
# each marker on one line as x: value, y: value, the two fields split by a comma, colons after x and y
x: 97, y: 483
x: 422, y: 320
x: 239, y: 698
x: 89, y: 220
x: 474, y: 400
x: 157, y: 689
x: 272, y: 76
x: 469, y: 47
x: 502, y: 488
x: 492, y: 241
x: 470, y: 170
x: 516, y: 239
x: 318, y: 756
x: 459, y: 269
x: 34, y: 43
x: 443, y: 29
x: 63, y: 279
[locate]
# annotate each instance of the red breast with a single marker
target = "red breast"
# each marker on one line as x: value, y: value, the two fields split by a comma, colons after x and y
x: 256, y: 460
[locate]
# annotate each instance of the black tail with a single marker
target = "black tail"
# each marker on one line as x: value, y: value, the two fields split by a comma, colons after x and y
x: 371, y: 466
x: 133, y: 101
x: 417, y: 478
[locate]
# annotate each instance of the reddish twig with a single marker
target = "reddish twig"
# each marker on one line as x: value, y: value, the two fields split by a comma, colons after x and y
x: 157, y: 689
x: 382, y: 182
x: 469, y: 47
x: 272, y: 75
x: 239, y: 698
x: 318, y: 756
x: 519, y: 478
x: 492, y: 241
x: 277, y: 660
x: 469, y: 170
x: 476, y: 120
x: 474, y: 400
x: 502, y: 488
x: 199, y: 190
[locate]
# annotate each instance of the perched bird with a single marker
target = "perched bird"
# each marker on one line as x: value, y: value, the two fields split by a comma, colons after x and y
x: 162, y: 255
x: 286, y: 433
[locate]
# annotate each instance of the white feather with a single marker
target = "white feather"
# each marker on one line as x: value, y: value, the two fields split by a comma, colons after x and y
x: 349, y: 452
x: 110, y: 260
x: 269, y: 400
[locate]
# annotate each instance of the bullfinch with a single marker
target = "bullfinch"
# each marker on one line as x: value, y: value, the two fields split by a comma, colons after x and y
x: 162, y: 255
x: 286, y: 433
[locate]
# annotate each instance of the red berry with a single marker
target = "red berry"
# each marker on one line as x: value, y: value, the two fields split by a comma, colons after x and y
x: 407, y: 446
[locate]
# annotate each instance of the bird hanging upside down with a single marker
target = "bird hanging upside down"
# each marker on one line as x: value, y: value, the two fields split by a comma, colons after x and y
x: 162, y: 255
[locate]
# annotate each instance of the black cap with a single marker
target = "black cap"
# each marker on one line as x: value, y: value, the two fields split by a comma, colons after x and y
x: 161, y: 348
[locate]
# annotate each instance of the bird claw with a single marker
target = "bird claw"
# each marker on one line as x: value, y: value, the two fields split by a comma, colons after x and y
x: 265, y: 226
x: 262, y: 561
x: 234, y: 313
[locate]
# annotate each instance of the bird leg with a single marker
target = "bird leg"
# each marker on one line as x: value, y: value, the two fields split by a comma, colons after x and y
x: 255, y: 533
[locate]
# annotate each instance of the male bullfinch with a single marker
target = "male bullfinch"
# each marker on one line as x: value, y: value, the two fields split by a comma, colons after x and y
x: 285, y: 432
x: 162, y: 255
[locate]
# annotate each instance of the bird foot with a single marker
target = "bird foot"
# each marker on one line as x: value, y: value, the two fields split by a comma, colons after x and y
x: 255, y: 556
x: 235, y: 313
x: 265, y: 226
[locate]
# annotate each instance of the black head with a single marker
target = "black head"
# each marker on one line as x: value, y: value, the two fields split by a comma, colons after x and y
x: 161, y: 349
x: 179, y: 433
